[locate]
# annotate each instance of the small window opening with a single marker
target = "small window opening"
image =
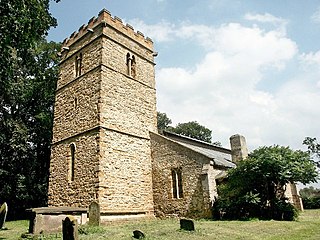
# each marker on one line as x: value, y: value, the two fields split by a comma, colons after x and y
x: 131, y: 65
x: 78, y: 64
x: 177, y: 191
x: 72, y: 161
x: 75, y: 102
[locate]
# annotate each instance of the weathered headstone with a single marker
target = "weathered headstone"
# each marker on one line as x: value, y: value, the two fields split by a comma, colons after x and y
x: 138, y: 234
x: 187, y: 224
x: 3, y: 214
x: 94, y: 214
x: 69, y: 229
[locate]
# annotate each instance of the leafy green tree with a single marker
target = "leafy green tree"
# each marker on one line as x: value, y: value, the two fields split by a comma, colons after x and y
x: 256, y: 187
x: 26, y: 130
x: 310, y: 197
x: 313, y: 148
x: 309, y: 192
x: 189, y: 129
x: 163, y: 121
x: 22, y: 24
x: 194, y: 130
x: 28, y: 75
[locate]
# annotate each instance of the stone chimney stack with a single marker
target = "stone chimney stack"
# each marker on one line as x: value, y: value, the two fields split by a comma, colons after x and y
x: 239, y: 150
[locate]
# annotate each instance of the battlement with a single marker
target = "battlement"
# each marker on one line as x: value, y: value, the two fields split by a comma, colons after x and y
x: 105, y: 18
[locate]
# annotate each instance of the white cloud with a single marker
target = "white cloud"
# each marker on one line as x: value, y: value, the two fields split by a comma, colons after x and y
x: 311, y: 58
x: 265, y: 18
x: 316, y: 16
x: 221, y: 91
x: 279, y: 23
x: 160, y: 32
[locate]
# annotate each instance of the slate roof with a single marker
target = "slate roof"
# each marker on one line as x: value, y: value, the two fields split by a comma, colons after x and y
x: 220, y: 156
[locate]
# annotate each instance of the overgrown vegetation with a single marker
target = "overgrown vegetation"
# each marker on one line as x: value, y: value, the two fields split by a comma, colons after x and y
x: 256, y: 187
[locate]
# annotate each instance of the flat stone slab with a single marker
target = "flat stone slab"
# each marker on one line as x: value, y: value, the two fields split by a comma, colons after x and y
x: 49, y: 219
x: 57, y: 210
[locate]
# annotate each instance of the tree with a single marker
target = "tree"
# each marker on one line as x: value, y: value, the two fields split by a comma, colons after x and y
x: 256, y: 187
x: 310, y: 197
x: 308, y: 192
x: 28, y: 75
x: 313, y: 148
x: 23, y: 24
x: 163, y: 121
x: 26, y: 130
x: 194, y: 130
x: 189, y: 129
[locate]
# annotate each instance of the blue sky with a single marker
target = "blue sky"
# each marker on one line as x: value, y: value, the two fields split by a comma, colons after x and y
x: 247, y: 67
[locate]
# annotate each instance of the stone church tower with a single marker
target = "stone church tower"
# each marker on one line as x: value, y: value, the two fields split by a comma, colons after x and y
x: 105, y: 107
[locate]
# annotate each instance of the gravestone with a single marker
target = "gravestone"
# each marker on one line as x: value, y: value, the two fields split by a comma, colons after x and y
x: 69, y: 229
x: 137, y: 234
x: 186, y: 224
x: 3, y: 214
x: 94, y: 214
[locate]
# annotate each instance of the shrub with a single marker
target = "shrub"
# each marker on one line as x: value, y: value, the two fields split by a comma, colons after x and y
x: 311, y: 202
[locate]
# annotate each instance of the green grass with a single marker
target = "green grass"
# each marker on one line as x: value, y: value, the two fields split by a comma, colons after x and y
x: 307, y: 227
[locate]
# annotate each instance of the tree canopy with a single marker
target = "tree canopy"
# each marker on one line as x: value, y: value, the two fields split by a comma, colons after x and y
x: 256, y: 187
x: 28, y: 74
x: 310, y: 197
x: 163, y: 121
x: 194, y: 130
x: 313, y: 148
x: 190, y: 129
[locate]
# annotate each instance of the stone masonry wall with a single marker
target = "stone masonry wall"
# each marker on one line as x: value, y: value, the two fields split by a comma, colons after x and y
x: 76, y: 120
x: 125, y: 179
x: 114, y: 56
x: 127, y: 105
x: 167, y: 155
x: 91, y: 49
x: 81, y: 191
x: 76, y: 106
x: 107, y: 114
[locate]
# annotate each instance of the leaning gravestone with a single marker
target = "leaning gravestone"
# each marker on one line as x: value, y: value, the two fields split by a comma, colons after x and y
x: 69, y: 229
x: 3, y: 214
x: 186, y: 224
x: 94, y: 214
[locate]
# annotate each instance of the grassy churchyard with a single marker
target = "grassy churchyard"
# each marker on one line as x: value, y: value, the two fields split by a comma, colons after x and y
x: 307, y: 227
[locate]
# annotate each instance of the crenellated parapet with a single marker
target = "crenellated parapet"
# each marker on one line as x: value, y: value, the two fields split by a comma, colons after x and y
x: 105, y: 19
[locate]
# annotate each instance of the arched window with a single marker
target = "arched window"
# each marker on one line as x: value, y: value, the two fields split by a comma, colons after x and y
x: 72, y: 161
x: 131, y: 65
x: 177, y: 191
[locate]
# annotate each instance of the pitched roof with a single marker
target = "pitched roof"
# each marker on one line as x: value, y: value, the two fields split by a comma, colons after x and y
x: 220, y: 156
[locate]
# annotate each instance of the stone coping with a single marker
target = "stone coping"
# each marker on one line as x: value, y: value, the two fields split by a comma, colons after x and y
x: 74, y: 210
x: 57, y: 210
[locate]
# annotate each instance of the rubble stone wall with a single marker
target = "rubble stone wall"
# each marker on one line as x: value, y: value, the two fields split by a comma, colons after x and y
x: 81, y: 191
x: 125, y: 179
x: 107, y: 113
x: 168, y: 155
